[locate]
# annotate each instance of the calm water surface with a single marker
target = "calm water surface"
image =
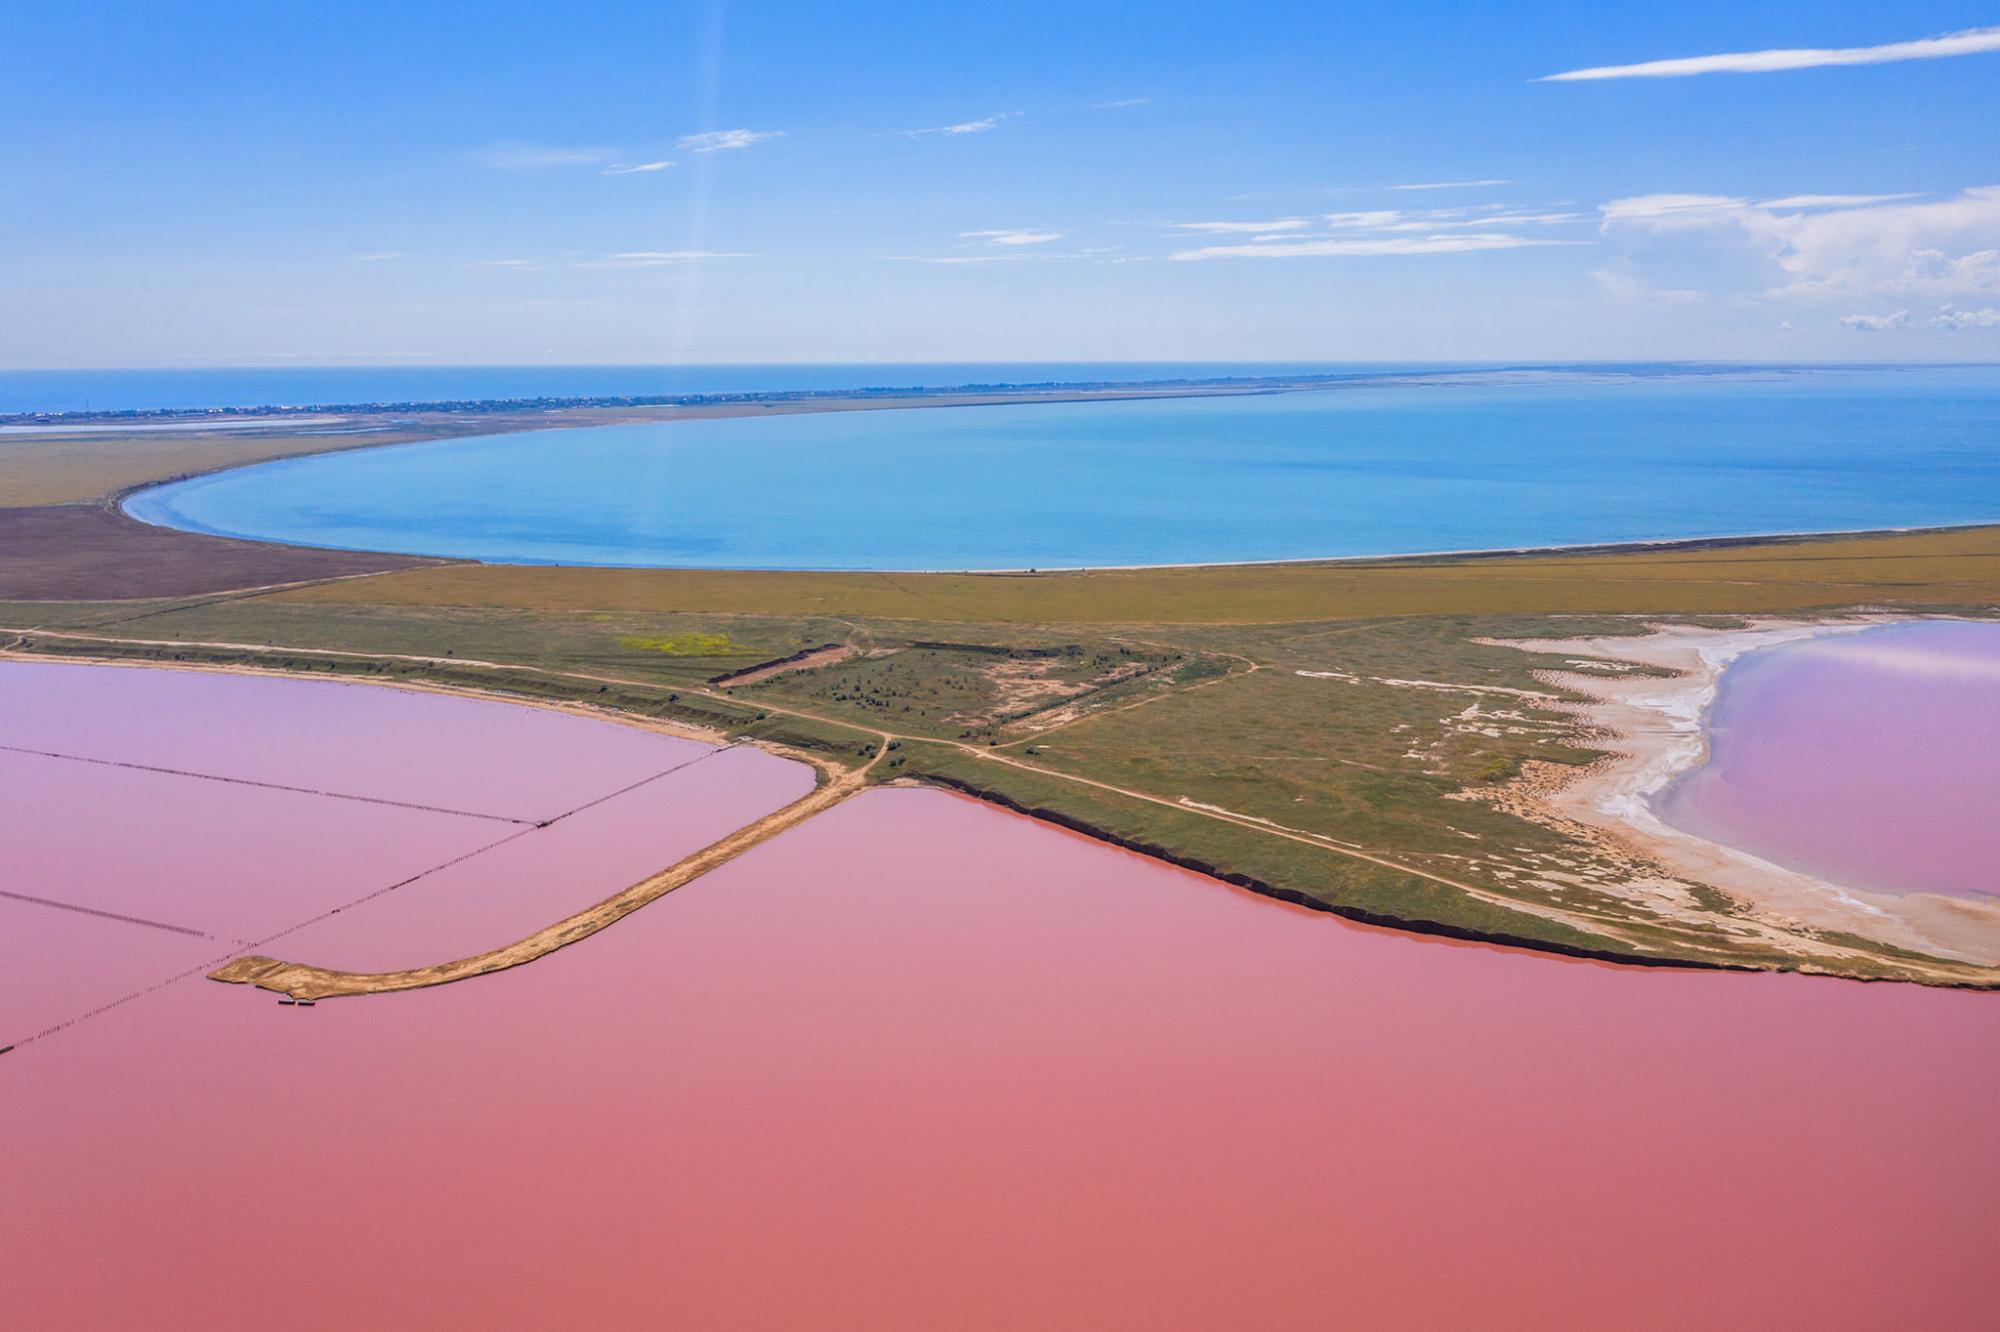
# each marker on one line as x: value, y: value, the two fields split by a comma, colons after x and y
x: 1869, y: 759
x: 157, y: 822
x: 922, y: 1064
x: 1359, y: 471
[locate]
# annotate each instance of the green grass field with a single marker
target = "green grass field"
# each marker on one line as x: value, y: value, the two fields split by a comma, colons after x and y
x: 1935, y: 568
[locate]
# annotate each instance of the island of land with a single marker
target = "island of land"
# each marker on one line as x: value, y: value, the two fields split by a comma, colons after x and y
x: 1420, y: 743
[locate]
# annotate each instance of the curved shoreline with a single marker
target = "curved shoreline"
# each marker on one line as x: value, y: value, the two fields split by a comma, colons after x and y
x: 1655, y: 730
x: 120, y: 503
x: 504, y: 421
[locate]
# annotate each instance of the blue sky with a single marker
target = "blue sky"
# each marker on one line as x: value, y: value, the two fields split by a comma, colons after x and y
x: 244, y: 184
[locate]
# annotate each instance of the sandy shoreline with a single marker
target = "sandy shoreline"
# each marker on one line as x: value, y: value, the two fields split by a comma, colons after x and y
x: 1652, y: 726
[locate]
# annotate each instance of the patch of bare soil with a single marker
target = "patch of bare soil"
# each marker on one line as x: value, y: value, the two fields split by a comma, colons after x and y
x: 83, y: 552
x: 1025, y: 685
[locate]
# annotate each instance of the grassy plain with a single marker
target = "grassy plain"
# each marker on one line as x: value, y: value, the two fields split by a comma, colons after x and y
x: 1946, y: 568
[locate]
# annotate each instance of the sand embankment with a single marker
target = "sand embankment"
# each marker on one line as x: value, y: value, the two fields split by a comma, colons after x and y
x: 1651, y: 727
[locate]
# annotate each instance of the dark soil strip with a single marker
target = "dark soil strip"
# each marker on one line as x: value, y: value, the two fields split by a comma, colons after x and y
x: 86, y: 552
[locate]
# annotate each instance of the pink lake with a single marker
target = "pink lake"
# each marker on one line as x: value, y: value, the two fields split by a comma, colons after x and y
x: 159, y: 821
x: 1869, y: 759
x: 920, y: 1064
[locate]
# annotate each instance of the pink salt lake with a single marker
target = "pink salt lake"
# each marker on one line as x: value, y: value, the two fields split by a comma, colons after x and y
x: 919, y: 1063
x: 1869, y: 759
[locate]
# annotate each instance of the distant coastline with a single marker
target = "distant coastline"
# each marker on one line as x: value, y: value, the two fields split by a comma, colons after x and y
x: 1057, y: 388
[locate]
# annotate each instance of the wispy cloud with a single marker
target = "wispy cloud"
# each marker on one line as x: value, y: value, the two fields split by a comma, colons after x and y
x: 1021, y: 252
x: 381, y: 256
x: 1960, y: 320
x: 1370, y: 246
x: 498, y: 263
x: 717, y: 141
x: 1444, y: 219
x: 538, y: 156
x: 1363, y: 233
x: 1244, y: 228
x: 658, y: 258
x: 1451, y: 185
x: 1012, y: 237
x: 1832, y: 200
x: 980, y: 126
x: 636, y: 168
x: 1972, y: 41
x: 1871, y: 323
x: 1121, y: 104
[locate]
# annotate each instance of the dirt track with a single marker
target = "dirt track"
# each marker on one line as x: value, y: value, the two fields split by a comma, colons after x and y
x: 308, y: 982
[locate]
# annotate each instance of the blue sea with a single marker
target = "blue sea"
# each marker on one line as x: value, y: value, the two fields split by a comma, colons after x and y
x: 1474, y: 462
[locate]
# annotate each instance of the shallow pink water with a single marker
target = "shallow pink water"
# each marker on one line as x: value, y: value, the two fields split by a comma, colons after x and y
x: 119, y: 877
x: 920, y: 1063
x: 427, y: 749
x: 494, y: 899
x: 1870, y: 759
x: 237, y: 863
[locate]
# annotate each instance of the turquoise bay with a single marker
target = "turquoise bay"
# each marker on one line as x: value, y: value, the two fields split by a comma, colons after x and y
x: 1482, y: 462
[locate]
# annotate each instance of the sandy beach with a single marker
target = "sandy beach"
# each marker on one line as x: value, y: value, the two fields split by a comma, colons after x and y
x: 1652, y: 727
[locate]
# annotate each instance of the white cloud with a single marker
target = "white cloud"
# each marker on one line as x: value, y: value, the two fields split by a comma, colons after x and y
x: 1623, y: 287
x: 1450, y: 185
x: 1935, y: 270
x: 535, y: 156
x: 1442, y: 219
x: 951, y: 258
x: 1831, y: 200
x: 1670, y: 210
x: 636, y: 169
x: 716, y: 141
x: 1868, y: 323
x: 1369, y: 246
x: 1121, y: 103
x: 380, y: 256
x: 1227, y: 228
x: 1371, y: 219
x: 979, y: 126
x: 1806, y: 245
x: 1953, y: 318
x: 659, y: 258
x: 1972, y: 41
x: 1382, y: 231
x: 499, y: 263
x: 1012, y: 237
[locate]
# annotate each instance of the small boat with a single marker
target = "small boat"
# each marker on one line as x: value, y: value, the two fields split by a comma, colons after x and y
x: 287, y: 999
